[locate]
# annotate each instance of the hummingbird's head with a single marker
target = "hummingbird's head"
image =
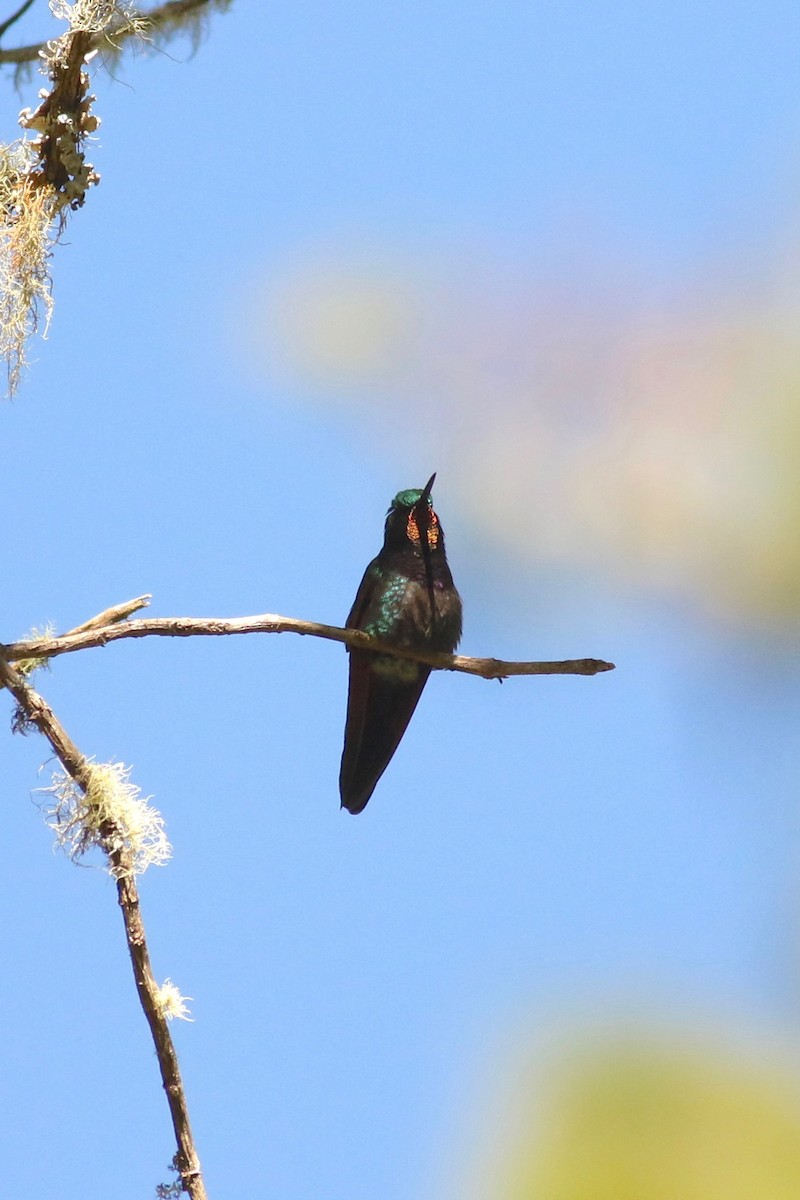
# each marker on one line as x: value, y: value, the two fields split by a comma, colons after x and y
x: 411, y: 519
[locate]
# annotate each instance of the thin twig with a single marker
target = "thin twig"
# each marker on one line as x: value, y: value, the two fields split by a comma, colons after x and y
x: 117, y: 612
x: 486, y: 668
x: 38, y: 712
x: 15, y: 16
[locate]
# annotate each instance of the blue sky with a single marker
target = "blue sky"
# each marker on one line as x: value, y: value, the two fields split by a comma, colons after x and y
x: 541, y: 852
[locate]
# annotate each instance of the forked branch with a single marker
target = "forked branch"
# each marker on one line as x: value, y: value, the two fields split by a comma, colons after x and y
x: 86, y: 638
x: 112, y: 625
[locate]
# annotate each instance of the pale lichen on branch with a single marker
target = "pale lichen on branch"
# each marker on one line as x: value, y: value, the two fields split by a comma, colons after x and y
x: 108, y: 812
x: 45, y: 176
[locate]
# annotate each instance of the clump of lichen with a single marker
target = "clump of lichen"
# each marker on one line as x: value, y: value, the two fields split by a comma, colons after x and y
x: 26, y: 666
x: 27, y: 213
x: 171, y: 1003
x: 107, y: 812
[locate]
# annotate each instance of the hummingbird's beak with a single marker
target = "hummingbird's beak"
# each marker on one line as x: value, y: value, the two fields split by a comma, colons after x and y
x: 422, y: 513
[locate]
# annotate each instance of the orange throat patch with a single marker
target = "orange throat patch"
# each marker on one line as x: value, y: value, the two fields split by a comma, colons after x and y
x: 412, y: 530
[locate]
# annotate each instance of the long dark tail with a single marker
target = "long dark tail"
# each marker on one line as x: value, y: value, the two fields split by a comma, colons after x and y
x: 379, y: 706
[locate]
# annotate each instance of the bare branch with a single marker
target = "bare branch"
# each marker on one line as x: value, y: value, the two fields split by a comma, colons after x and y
x: 19, y: 55
x: 163, y: 19
x: 15, y: 16
x: 37, y: 712
x: 486, y: 668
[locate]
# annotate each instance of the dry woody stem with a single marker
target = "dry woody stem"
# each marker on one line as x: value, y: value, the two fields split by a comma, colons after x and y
x: 100, y: 635
x: 37, y: 712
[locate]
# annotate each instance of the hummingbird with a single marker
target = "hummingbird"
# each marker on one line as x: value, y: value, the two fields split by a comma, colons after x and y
x: 408, y: 597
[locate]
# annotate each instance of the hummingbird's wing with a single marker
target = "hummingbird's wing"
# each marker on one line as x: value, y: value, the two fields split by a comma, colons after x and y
x: 381, y: 697
x: 364, y: 595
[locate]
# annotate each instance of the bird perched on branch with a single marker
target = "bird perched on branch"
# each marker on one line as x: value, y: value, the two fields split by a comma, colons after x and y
x: 408, y: 597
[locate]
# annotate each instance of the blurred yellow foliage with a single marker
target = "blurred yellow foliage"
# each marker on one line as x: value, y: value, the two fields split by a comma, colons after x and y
x: 645, y: 1122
